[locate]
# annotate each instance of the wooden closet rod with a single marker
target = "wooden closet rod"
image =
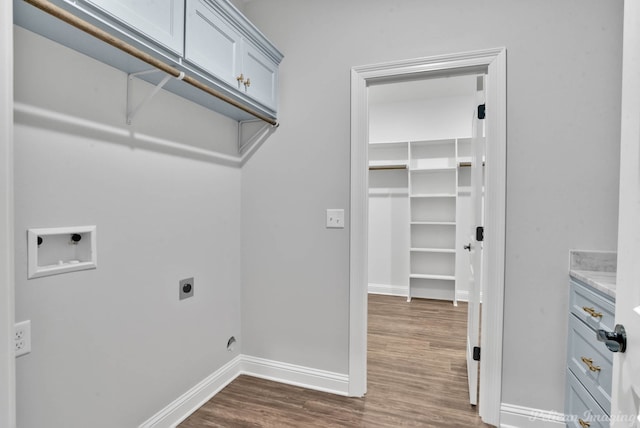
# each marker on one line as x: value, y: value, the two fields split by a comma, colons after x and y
x: 100, y: 34
x: 382, y: 167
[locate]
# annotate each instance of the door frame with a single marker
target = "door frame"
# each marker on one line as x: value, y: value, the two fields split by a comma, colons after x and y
x: 7, y: 299
x: 493, y: 62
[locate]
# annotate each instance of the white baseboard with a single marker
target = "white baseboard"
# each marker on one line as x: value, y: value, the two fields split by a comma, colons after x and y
x: 178, y: 410
x: 319, y: 380
x: 463, y: 295
x: 512, y: 416
x: 388, y: 289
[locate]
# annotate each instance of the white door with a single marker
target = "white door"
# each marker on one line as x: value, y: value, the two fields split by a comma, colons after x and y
x: 626, y: 367
x: 475, y: 247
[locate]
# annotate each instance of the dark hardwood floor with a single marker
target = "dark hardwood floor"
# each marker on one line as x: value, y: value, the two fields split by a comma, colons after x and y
x: 416, y: 378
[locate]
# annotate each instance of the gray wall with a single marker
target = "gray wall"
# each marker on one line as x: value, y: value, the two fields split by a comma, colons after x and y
x: 564, y: 64
x: 113, y: 346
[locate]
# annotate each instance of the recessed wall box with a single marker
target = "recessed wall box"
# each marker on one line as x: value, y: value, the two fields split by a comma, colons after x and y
x: 61, y: 250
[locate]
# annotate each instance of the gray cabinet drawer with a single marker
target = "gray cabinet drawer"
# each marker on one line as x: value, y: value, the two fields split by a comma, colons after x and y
x: 583, y: 350
x: 581, y: 406
x: 591, y: 308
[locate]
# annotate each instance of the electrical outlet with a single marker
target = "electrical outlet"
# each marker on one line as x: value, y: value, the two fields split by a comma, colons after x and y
x: 186, y: 288
x: 23, y: 338
x: 335, y: 218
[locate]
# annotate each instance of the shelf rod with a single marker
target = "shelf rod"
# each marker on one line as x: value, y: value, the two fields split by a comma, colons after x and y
x: 100, y: 34
x: 467, y: 164
x: 383, y: 167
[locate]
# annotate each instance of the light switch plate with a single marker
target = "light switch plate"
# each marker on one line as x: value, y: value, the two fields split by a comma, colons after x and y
x: 335, y: 218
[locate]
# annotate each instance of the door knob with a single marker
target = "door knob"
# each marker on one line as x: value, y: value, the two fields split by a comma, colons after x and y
x: 467, y: 247
x: 615, y: 340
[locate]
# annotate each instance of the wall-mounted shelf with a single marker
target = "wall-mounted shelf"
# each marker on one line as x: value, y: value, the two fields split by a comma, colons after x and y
x: 433, y: 250
x: 53, y: 251
x: 430, y: 276
x: 129, y: 39
x: 434, y: 195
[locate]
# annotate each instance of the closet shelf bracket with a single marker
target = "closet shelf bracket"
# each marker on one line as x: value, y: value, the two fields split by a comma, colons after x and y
x: 250, y: 135
x: 132, y: 111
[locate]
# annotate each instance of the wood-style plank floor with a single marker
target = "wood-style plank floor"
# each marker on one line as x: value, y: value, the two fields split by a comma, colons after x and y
x: 416, y: 378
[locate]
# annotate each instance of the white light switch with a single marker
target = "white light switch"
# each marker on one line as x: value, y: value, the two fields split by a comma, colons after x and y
x: 335, y: 219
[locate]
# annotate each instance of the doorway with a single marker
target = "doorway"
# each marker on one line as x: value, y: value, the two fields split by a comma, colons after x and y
x: 493, y: 63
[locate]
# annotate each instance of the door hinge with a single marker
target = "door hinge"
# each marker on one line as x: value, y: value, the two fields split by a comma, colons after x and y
x: 480, y: 233
x: 481, y: 111
x: 476, y: 353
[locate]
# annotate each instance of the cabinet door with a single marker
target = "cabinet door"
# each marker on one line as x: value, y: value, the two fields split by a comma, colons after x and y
x: 262, y: 72
x: 158, y: 20
x: 211, y: 43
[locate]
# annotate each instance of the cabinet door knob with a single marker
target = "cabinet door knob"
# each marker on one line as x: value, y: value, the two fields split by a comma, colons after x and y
x: 240, y: 79
x: 589, y: 363
x: 583, y: 423
x: 592, y: 312
x: 247, y: 83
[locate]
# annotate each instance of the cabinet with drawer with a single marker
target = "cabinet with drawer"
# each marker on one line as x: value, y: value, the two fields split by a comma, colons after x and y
x: 589, y: 362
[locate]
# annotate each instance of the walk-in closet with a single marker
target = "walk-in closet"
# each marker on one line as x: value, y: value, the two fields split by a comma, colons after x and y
x: 420, y: 135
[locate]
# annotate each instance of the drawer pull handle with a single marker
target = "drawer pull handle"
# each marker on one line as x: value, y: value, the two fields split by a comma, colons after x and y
x: 592, y: 312
x: 584, y: 424
x: 589, y: 363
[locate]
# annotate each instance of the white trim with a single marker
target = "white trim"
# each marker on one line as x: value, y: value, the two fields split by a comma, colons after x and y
x: 358, y: 237
x: 180, y: 409
x: 512, y: 416
x: 463, y: 296
x: 291, y: 374
x: 388, y: 289
x: 7, y: 274
x: 493, y: 60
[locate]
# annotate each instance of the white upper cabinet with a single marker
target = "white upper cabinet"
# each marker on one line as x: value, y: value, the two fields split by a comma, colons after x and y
x: 208, y: 40
x: 158, y: 20
x: 212, y: 43
x: 260, y: 75
x: 217, y: 45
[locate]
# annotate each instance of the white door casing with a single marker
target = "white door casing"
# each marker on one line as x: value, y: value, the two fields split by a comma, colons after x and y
x: 492, y: 62
x: 7, y: 358
x: 625, y: 404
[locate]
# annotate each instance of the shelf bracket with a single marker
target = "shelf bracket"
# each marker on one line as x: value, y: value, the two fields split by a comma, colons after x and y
x: 251, y: 136
x: 132, y: 111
